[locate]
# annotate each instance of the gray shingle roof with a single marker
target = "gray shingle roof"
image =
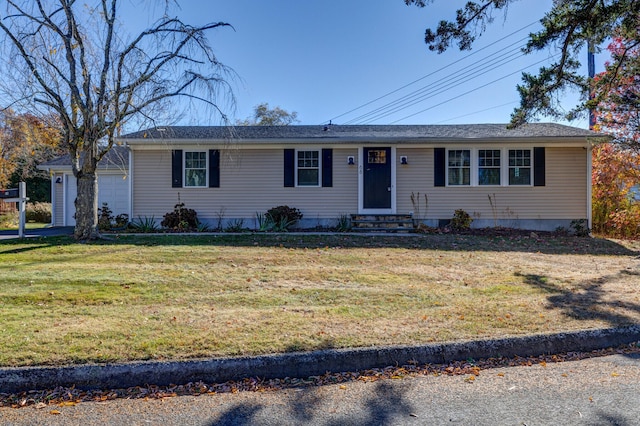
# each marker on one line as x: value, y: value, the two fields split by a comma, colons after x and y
x: 377, y: 132
x: 116, y: 158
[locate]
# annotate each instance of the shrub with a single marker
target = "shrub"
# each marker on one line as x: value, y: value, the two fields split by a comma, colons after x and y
x: 38, y: 212
x: 107, y: 221
x: 284, y: 216
x: 122, y: 220
x: 180, y: 219
x: 580, y: 227
x: 625, y: 223
x: 461, y: 220
x: 9, y: 219
x: 105, y: 216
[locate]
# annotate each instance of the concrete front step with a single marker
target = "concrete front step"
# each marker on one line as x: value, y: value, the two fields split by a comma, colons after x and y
x: 382, y: 222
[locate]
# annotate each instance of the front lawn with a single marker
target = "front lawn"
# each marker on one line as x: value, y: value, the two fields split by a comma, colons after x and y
x: 177, y: 297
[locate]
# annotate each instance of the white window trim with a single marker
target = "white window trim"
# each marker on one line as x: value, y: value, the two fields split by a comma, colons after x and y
x: 471, y: 173
x: 531, y: 167
x: 475, y: 157
x: 184, y: 169
x: 475, y: 166
x: 319, y: 151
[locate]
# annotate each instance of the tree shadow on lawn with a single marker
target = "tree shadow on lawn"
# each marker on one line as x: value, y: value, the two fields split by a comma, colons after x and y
x: 24, y: 246
x: 587, y: 300
x: 546, y: 243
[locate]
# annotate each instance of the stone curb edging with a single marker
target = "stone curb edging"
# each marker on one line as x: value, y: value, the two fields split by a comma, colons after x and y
x: 301, y: 365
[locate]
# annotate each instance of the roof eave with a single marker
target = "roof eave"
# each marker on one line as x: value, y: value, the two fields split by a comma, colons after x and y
x: 557, y: 140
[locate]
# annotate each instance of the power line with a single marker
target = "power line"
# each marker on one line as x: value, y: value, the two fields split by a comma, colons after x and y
x: 439, y: 87
x: 432, y: 73
x: 477, y: 112
x: 472, y: 90
x: 425, y: 89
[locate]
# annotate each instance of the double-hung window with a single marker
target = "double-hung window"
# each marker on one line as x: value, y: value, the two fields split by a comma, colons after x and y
x: 519, y: 167
x: 308, y: 168
x: 195, y: 169
x: 489, y: 167
x: 459, y: 167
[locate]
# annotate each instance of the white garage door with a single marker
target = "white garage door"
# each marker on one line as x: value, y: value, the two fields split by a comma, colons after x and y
x: 113, y: 189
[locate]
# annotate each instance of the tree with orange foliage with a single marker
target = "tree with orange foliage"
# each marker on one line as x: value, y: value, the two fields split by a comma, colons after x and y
x: 616, y: 173
x: 616, y: 165
x: 25, y: 141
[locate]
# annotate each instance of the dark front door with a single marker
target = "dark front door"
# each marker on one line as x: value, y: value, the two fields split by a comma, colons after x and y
x: 377, y: 178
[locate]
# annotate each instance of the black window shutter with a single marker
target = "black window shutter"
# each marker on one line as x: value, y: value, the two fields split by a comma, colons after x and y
x: 439, y: 169
x: 176, y: 168
x: 327, y: 168
x: 539, y: 168
x: 289, y: 168
x: 214, y: 168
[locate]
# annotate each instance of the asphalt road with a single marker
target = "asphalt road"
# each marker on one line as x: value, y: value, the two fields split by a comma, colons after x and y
x: 40, y: 232
x: 597, y: 391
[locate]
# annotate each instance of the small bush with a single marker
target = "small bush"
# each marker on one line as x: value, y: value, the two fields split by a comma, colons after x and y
x: 122, y: 220
x: 461, y: 220
x: 180, y: 219
x: 106, y: 220
x: 625, y: 223
x: 9, y: 220
x: 105, y: 216
x: 38, y: 212
x: 580, y: 228
x: 284, y: 216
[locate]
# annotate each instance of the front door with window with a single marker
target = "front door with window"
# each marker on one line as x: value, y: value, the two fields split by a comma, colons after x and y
x: 376, y: 178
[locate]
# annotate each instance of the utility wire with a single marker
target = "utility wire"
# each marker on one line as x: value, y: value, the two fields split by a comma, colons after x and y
x: 472, y: 90
x: 432, y: 73
x: 476, y: 112
x: 439, y: 87
x: 446, y: 80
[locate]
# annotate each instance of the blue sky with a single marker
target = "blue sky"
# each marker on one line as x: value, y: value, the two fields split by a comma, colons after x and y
x: 323, y: 59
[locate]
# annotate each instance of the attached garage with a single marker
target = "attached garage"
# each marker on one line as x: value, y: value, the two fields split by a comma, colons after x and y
x: 113, y: 186
x: 113, y: 189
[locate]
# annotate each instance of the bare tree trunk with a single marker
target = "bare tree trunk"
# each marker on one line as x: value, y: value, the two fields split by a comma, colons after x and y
x: 87, y: 207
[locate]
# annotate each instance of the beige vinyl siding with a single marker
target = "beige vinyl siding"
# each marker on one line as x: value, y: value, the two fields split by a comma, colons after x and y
x: 58, y: 197
x: 251, y: 180
x: 563, y: 197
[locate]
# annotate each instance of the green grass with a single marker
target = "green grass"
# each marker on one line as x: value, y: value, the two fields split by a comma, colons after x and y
x: 177, y: 297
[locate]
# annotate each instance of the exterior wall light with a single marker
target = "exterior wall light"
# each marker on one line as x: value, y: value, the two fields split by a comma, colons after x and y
x: 404, y: 160
x: 351, y: 160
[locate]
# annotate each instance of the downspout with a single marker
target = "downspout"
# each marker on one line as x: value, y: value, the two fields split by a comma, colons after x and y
x: 130, y: 171
x: 53, y: 198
